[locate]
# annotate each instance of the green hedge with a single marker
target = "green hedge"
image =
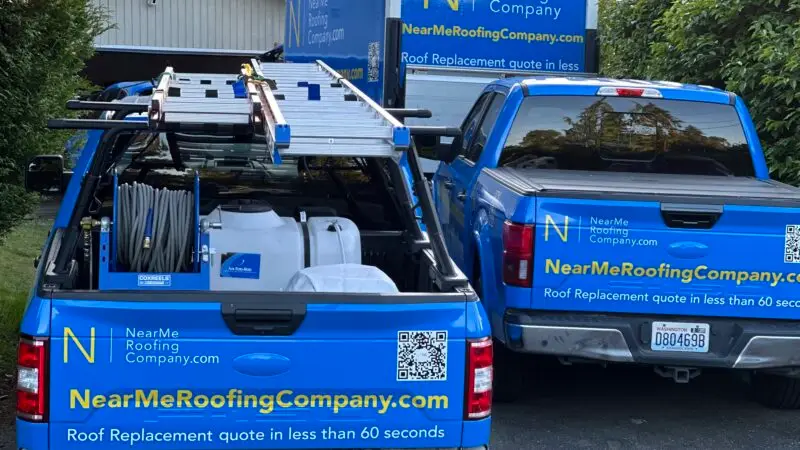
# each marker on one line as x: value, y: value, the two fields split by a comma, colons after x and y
x: 43, y: 48
x: 751, y: 47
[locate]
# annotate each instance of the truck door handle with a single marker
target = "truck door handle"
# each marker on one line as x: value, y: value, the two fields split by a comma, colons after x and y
x: 702, y: 217
x: 255, y: 320
x: 448, y: 184
x: 461, y: 196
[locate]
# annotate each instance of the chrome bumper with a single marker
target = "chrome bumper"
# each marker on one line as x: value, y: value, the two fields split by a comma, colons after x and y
x: 606, y: 344
x: 763, y: 352
x: 610, y: 344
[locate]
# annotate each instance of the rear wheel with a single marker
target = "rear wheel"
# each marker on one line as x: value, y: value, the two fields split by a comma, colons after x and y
x: 507, y: 385
x: 776, y: 391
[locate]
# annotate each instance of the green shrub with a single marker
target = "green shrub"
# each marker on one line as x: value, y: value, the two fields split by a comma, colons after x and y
x: 16, y: 266
x: 626, y: 33
x: 15, y: 204
x: 43, y: 48
x: 751, y: 47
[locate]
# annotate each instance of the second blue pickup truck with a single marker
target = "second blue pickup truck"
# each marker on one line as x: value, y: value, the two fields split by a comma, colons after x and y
x: 625, y: 221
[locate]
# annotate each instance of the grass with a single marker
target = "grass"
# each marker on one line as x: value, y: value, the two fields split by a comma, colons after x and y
x: 17, y: 252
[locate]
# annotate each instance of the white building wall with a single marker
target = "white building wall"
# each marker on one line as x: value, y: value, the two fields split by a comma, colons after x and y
x: 251, y: 26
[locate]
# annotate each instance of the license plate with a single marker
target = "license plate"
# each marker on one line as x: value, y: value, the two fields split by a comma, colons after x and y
x: 680, y: 337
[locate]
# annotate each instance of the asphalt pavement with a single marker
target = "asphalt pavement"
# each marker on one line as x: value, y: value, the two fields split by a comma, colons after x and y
x: 48, y: 208
x: 633, y: 408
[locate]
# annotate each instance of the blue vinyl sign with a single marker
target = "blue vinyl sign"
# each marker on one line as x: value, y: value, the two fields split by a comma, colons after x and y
x: 347, y: 35
x: 516, y: 35
x: 241, y: 265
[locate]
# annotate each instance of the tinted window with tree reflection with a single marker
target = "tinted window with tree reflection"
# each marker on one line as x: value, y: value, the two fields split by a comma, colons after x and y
x: 627, y: 135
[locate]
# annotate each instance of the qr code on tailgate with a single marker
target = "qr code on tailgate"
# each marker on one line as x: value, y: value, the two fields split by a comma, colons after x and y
x: 421, y: 355
x: 791, y: 250
x: 373, y: 61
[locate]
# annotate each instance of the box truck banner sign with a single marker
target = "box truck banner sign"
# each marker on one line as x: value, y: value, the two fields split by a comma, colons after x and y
x: 529, y: 35
x: 347, y: 35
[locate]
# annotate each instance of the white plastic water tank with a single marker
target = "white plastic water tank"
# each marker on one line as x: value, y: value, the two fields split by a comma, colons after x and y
x: 254, y: 249
x: 333, y: 240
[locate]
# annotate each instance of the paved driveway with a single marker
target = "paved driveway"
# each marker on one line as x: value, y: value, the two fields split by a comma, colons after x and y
x: 616, y: 408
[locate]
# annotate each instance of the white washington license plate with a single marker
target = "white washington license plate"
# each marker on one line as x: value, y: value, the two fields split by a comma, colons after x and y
x: 680, y: 337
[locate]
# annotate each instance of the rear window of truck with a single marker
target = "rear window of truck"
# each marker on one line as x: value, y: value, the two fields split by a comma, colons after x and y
x: 618, y: 134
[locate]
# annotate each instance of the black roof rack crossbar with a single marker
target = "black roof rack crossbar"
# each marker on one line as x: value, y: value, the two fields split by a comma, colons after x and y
x: 435, y: 131
x: 80, y: 105
x: 100, y: 124
x: 402, y: 113
x: 94, y: 124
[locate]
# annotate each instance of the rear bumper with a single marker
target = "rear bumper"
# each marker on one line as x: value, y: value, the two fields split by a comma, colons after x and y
x: 733, y: 343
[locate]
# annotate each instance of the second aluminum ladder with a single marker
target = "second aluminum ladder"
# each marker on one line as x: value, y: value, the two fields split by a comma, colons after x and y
x: 327, y: 114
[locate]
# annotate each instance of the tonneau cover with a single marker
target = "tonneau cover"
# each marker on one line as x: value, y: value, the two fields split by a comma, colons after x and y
x: 619, y: 185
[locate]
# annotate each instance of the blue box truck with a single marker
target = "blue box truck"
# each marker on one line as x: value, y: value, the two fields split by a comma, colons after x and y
x: 452, y: 49
x: 439, y: 54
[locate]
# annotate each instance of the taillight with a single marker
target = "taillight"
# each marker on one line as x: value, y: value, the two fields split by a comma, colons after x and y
x: 517, y: 254
x: 610, y: 91
x: 31, y: 379
x: 479, y: 379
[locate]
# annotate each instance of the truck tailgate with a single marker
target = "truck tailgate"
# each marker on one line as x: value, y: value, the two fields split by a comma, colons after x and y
x: 257, y: 372
x: 664, y: 244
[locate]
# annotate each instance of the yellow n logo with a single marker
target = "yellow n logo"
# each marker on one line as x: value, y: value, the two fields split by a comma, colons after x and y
x: 549, y: 221
x: 453, y: 4
x: 294, y: 23
x: 70, y: 335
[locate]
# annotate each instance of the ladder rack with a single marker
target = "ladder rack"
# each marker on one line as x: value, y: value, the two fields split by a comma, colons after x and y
x: 300, y: 109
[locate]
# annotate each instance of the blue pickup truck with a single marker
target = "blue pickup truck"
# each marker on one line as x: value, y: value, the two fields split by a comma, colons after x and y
x: 295, y: 304
x: 625, y: 221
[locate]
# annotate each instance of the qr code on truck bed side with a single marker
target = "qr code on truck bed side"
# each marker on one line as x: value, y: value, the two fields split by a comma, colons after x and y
x: 421, y: 355
x: 373, y: 61
x: 791, y: 250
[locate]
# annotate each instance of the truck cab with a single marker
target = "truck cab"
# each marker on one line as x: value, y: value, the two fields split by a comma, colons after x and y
x: 624, y: 221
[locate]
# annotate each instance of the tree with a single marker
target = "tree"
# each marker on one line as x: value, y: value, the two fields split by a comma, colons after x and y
x: 43, y: 48
x: 626, y: 33
x: 750, y: 47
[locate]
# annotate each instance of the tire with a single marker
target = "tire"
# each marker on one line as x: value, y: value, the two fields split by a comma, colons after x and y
x: 776, y: 391
x: 507, y: 371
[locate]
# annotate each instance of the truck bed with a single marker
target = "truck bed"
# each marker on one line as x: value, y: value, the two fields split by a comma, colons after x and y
x: 638, y: 186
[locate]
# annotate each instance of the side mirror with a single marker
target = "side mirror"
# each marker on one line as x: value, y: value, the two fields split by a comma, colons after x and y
x: 427, y: 146
x: 428, y: 141
x: 46, y: 173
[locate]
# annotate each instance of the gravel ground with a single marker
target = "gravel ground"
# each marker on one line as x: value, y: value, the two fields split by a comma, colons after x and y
x: 7, y: 438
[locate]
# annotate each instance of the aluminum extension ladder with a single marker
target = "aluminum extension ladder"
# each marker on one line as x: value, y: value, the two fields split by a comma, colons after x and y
x: 301, y: 109
x: 328, y: 115
x: 216, y: 101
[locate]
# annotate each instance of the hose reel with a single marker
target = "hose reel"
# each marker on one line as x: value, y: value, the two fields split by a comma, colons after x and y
x: 155, y: 228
